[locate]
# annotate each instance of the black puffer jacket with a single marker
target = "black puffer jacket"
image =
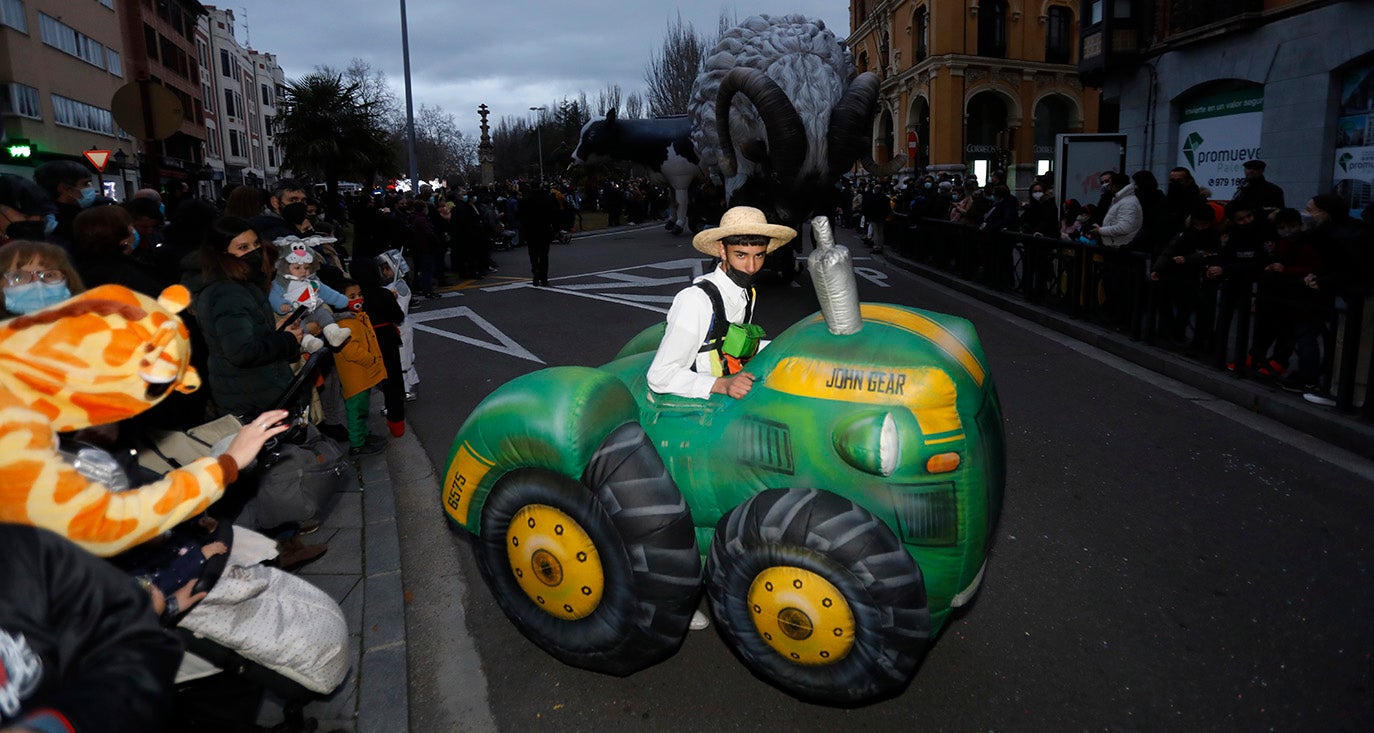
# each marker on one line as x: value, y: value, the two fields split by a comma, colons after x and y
x: 250, y: 361
x: 78, y: 640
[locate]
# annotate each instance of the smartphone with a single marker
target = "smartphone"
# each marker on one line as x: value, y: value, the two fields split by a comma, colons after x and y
x: 296, y: 315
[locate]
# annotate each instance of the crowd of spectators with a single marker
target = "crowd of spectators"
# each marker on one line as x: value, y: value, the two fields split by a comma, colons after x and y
x: 249, y: 260
x: 1255, y: 280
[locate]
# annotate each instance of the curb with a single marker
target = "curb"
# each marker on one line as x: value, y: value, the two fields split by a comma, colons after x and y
x: 1342, y: 431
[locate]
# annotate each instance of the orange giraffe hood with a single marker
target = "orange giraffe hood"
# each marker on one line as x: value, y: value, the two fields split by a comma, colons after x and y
x: 99, y: 357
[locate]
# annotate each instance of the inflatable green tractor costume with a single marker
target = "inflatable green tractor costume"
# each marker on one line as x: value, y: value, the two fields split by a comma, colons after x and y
x: 842, y: 508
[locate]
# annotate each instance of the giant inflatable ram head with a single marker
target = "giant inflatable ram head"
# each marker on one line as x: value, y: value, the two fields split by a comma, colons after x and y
x: 781, y: 114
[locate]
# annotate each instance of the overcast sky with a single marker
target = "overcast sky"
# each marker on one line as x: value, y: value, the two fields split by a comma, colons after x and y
x: 508, y: 54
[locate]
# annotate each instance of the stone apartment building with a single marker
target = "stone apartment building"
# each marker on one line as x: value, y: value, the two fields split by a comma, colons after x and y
x: 973, y: 85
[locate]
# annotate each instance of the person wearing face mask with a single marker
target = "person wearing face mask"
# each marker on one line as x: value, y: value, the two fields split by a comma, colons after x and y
x: 287, y: 213
x: 104, y: 239
x: 692, y: 359
x: 249, y: 360
x: 68, y: 184
x: 1038, y: 215
x: 35, y: 276
x: 23, y: 209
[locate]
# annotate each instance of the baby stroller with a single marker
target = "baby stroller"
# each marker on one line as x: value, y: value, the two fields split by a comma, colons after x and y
x: 258, y: 628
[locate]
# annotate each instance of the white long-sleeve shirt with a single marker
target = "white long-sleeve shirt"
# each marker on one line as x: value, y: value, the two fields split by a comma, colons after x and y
x: 689, y: 323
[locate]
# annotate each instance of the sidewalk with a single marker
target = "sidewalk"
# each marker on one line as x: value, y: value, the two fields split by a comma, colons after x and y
x: 1344, y: 431
x: 362, y: 571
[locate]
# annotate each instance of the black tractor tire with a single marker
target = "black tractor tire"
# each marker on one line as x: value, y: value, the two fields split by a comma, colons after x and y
x: 836, y: 561
x: 645, y: 567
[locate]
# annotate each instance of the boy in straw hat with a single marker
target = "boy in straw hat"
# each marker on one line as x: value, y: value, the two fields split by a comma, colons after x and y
x: 691, y: 360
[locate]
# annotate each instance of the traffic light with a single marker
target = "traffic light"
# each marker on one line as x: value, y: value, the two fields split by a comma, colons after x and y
x: 19, y: 149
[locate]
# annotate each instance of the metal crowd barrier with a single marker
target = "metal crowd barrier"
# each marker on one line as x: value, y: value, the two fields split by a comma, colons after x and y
x: 1111, y: 288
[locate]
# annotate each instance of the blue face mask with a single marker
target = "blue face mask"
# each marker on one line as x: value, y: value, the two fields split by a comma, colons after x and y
x: 87, y: 197
x: 137, y: 237
x: 49, y: 224
x: 34, y: 296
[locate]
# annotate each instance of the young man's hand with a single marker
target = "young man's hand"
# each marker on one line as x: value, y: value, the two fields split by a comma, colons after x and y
x: 736, y: 386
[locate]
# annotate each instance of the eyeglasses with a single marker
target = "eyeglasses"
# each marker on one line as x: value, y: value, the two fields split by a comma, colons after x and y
x: 23, y: 277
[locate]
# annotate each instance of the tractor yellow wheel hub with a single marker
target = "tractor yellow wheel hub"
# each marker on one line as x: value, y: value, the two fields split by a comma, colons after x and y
x: 803, y: 616
x: 555, y: 562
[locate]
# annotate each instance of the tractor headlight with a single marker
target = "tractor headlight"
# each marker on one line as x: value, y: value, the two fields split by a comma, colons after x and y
x: 869, y: 442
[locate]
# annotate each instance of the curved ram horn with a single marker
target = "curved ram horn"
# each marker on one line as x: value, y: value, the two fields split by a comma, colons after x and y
x: 850, y: 133
x: 786, y: 135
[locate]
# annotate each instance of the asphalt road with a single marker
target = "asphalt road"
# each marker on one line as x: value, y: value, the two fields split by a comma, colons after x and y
x: 1164, y: 561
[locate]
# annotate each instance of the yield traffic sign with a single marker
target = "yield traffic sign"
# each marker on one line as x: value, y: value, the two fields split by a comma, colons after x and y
x: 98, y: 158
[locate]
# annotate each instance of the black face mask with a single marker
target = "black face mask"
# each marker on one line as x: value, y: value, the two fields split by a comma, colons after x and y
x: 31, y: 230
x: 255, y: 261
x: 294, y: 214
x: 742, y: 279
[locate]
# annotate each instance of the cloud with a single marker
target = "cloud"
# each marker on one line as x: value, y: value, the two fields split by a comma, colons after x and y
x: 508, y: 55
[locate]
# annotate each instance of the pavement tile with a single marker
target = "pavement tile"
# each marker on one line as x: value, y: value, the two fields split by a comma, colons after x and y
x: 384, y: 619
x: 378, y: 503
x: 344, y: 556
x: 348, y: 510
x: 382, y: 548
x: 383, y: 696
x: 347, y: 591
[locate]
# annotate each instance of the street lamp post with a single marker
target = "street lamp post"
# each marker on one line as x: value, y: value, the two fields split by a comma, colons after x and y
x: 539, y: 138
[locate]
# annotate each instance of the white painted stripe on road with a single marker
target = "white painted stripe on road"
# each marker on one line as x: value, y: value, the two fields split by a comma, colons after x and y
x: 610, y: 299
x: 506, y: 345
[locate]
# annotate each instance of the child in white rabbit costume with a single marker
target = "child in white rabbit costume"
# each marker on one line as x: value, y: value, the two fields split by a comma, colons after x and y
x: 296, y: 285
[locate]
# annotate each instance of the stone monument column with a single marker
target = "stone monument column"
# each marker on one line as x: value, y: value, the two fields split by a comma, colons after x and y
x: 486, y: 156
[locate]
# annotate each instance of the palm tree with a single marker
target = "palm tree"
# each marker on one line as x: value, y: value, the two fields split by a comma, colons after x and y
x: 329, y: 133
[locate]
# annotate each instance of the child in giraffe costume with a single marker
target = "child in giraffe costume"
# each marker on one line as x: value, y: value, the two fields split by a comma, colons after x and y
x: 100, y: 357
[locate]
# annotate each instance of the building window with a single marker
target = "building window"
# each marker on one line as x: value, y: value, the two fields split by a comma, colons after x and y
x: 12, y: 15
x: 224, y: 64
x: 21, y: 100
x: 150, y: 42
x: 266, y: 95
x: 229, y: 109
x: 1057, y: 43
x: 922, y: 33
x: 271, y: 157
x: 108, y: 3
x: 1095, y: 12
x: 82, y: 116
x: 992, y: 29
x: 209, y: 98
x: 235, y: 147
x: 64, y: 38
x: 112, y: 61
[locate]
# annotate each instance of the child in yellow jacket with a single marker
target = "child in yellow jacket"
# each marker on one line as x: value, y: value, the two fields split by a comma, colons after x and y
x: 360, y: 367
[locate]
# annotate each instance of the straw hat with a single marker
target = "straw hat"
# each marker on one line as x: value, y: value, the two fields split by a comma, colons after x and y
x: 742, y: 220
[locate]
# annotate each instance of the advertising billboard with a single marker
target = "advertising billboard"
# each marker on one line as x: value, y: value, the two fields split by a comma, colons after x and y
x: 1217, y: 134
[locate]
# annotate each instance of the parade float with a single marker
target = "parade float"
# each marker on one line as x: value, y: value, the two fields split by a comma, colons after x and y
x: 835, y: 516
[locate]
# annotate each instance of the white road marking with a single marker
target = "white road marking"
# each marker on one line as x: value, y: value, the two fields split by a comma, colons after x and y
x: 507, y: 345
x: 877, y: 277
